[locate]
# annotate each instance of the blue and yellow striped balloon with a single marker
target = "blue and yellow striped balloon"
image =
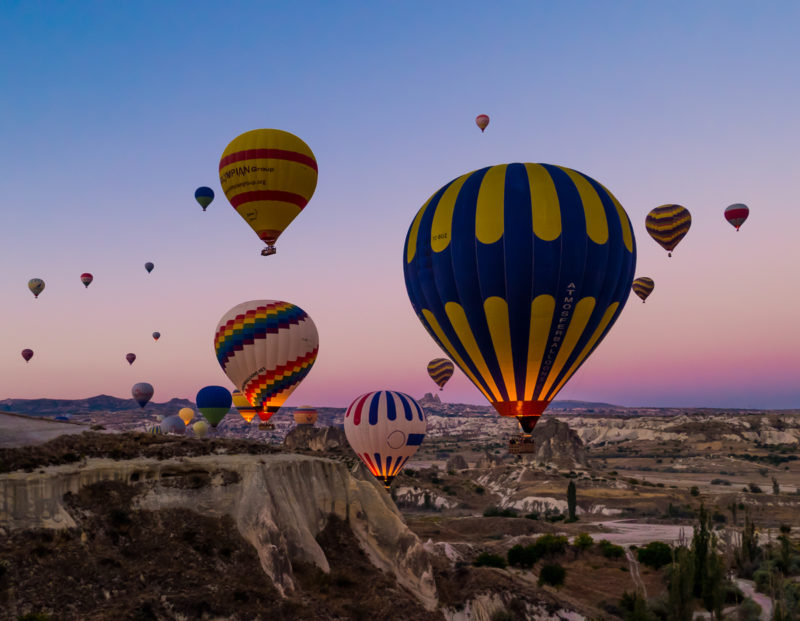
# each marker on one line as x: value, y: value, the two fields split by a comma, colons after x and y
x: 518, y: 271
x: 440, y: 370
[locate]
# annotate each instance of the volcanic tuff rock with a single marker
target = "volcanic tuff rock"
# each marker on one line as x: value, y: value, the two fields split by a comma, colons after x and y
x: 279, y: 503
x: 457, y: 462
x: 318, y: 439
x: 558, y: 445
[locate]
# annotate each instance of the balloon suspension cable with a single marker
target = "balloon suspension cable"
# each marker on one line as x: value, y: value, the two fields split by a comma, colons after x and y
x: 270, y: 249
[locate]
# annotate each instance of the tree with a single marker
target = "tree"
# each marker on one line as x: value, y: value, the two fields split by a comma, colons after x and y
x: 681, y: 583
x: 571, y: 500
x: 776, y: 489
x: 655, y: 554
x: 552, y: 574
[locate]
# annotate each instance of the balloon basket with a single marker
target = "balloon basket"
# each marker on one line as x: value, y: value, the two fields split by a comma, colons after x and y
x: 265, y: 252
x: 521, y: 444
x: 265, y: 426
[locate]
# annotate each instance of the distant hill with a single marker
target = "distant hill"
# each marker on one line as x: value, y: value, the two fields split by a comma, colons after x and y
x: 100, y: 403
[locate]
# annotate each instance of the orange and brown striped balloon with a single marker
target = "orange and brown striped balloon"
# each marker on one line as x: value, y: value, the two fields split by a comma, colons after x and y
x: 643, y: 287
x: 440, y: 370
x: 668, y: 225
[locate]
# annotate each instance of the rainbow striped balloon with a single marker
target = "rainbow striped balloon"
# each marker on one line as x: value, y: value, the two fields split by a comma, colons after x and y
x: 266, y: 348
x: 385, y: 428
x: 643, y: 287
x: 440, y: 370
x: 668, y: 225
x: 269, y: 176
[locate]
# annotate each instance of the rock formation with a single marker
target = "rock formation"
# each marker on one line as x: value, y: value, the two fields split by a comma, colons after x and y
x: 457, y: 462
x: 320, y: 439
x: 557, y: 445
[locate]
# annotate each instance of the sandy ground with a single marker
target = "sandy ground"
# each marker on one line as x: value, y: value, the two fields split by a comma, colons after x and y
x: 627, y: 532
x: 16, y: 430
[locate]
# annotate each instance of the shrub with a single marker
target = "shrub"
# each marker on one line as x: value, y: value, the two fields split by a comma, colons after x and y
x: 532, y: 516
x: 494, y: 511
x: 583, y: 541
x: 523, y: 556
x: 694, y: 491
x: 655, y: 554
x: 557, y: 517
x: 479, y: 489
x: 552, y: 574
x: 610, y: 550
x: 550, y: 545
x: 485, y: 559
x: 753, y: 488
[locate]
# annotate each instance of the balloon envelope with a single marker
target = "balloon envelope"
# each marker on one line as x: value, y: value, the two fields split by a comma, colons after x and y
x: 186, y: 415
x: 268, y: 175
x: 643, y: 287
x: 266, y: 348
x: 668, y: 225
x: 204, y: 196
x: 440, y: 370
x: 173, y: 424
x: 214, y: 402
x: 36, y: 285
x: 149, y: 267
x: 482, y: 121
x: 130, y: 358
x: 156, y: 336
x: 242, y: 405
x: 200, y: 428
x: 27, y: 354
x: 142, y: 393
x: 305, y: 415
x: 86, y: 279
x: 518, y: 271
x: 736, y: 214
x: 385, y: 428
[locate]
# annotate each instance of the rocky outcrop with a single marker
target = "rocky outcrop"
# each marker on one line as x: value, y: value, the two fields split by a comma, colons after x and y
x: 457, y: 462
x: 320, y: 439
x: 558, y: 445
x: 280, y: 503
x: 430, y: 399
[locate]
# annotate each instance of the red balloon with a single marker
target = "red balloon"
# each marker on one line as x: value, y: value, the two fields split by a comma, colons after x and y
x: 27, y: 354
x: 130, y: 358
x: 736, y: 214
x: 482, y: 120
x: 86, y: 279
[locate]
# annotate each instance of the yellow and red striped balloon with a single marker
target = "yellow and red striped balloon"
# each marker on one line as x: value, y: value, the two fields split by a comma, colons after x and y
x: 440, y: 370
x: 668, y: 225
x: 268, y: 175
x: 305, y: 415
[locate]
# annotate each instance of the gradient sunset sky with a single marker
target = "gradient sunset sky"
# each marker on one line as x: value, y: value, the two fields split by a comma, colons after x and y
x: 112, y: 113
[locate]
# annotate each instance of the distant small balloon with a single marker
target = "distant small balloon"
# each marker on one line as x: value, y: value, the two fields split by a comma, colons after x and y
x: 736, y: 214
x: 149, y: 267
x: 173, y: 424
x: 27, y: 354
x: 156, y: 336
x: 130, y: 358
x: 142, y: 393
x: 305, y: 415
x: 668, y: 225
x: 204, y: 196
x: 643, y: 287
x: 200, y: 428
x: 186, y: 415
x: 86, y: 279
x: 482, y: 121
x: 36, y: 285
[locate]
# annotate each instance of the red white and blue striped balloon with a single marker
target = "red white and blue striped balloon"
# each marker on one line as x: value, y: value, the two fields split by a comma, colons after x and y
x: 736, y: 214
x: 385, y: 428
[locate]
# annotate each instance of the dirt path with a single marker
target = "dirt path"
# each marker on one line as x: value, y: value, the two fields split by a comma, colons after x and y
x: 17, y: 430
x: 748, y: 587
x: 634, y: 567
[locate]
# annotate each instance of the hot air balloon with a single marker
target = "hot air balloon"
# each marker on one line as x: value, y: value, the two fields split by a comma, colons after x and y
x: 269, y: 176
x: 266, y: 348
x: 142, y: 393
x: 385, y: 428
x: 214, y: 402
x: 186, y: 415
x: 482, y: 121
x: 155, y: 430
x: 204, y: 196
x: 86, y: 279
x: 518, y: 271
x: 200, y: 428
x: 36, y: 285
x: 156, y: 336
x: 173, y: 424
x: 305, y: 415
x: 643, y: 287
x: 243, y: 406
x: 668, y: 225
x: 149, y: 267
x: 130, y: 358
x: 27, y: 354
x: 736, y: 214
x: 440, y: 370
